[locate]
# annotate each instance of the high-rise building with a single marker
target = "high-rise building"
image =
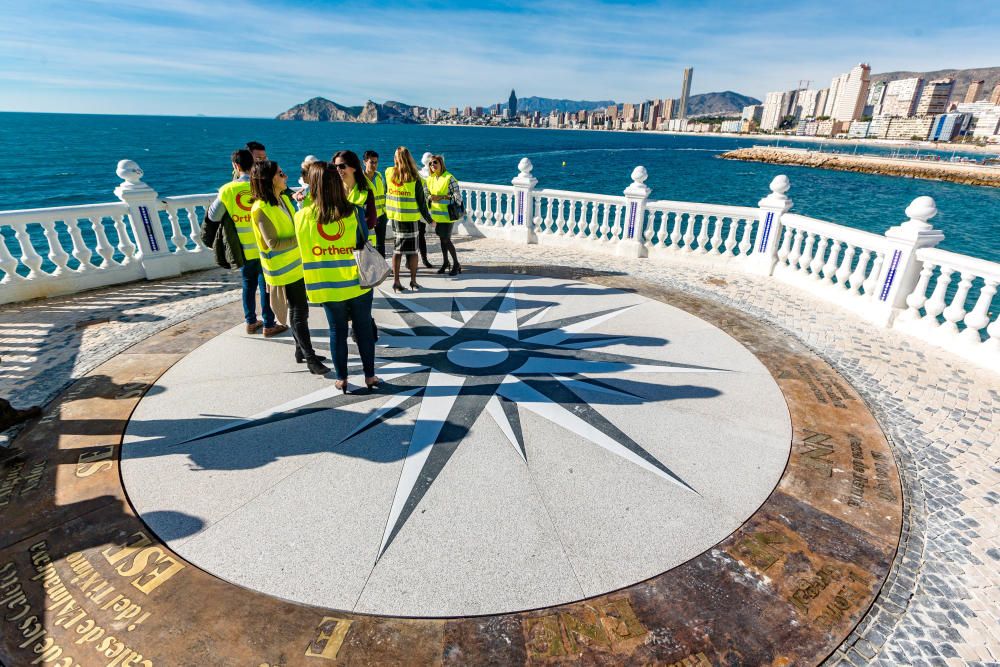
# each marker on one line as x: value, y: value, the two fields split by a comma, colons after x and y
x: 805, y: 104
x: 612, y: 112
x: 775, y: 110
x: 628, y: 112
x: 512, y: 103
x: 831, y: 98
x: 995, y: 95
x: 934, y: 99
x: 975, y: 88
x: 821, y: 100
x: 901, y: 97
x: 682, y: 108
x: 949, y: 126
x: 467, y: 112
x: 669, y: 111
x: 876, y: 98
x: 985, y: 117
x: 852, y: 93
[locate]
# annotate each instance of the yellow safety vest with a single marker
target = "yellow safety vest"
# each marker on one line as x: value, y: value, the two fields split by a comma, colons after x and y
x: 401, y: 200
x: 327, y: 251
x: 438, y: 185
x: 281, y: 267
x: 378, y: 187
x: 236, y: 198
x: 359, y: 197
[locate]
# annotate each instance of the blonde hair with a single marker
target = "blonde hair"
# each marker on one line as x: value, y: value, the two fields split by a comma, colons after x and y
x: 405, y: 167
x: 440, y: 159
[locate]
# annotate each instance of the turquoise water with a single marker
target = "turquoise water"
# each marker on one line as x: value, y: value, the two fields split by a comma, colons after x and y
x: 63, y: 159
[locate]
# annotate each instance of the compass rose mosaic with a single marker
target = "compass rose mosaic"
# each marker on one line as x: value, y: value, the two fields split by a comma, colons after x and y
x: 535, y: 441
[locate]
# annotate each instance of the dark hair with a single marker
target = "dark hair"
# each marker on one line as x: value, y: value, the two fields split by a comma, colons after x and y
x: 255, y: 146
x: 243, y: 159
x: 369, y: 154
x: 351, y: 158
x: 262, y: 181
x: 327, y: 192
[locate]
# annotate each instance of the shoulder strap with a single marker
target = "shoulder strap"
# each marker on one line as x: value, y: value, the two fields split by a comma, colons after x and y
x: 362, y: 235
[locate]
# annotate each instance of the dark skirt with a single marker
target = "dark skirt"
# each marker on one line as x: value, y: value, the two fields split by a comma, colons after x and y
x: 443, y: 230
x: 406, y: 237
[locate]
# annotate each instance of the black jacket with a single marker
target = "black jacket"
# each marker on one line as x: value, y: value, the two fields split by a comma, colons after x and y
x: 223, y: 238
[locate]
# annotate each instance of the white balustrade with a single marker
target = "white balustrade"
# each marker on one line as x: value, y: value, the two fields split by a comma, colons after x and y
x: 944, y: 298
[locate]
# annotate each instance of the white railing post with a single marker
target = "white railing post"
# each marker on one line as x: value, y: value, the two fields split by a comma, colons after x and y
x: 901, y: 269
x: 154, y: 255
x: 636, y: 196
x: 523, y: 229
x: 772, y: 207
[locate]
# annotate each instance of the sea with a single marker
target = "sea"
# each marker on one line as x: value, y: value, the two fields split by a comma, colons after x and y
x: 66, y: 159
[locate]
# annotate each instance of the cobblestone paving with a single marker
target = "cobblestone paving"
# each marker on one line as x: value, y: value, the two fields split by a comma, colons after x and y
x: 941, y: 604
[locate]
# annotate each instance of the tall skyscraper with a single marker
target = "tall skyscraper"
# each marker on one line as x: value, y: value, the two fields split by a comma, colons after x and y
x: 934, y: 99
x: 805, y: 104
x: 901, y: 97
x: 852, y: 93
x: 876, y: 98
x: 682, y: 109
x: 836, y: 83
x: 975, y: 88
x: 995, y: 95
x: 775, y: 110
x: 512, y: 104
x: 669, y: 109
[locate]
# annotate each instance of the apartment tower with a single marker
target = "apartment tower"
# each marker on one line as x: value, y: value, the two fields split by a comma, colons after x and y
x: 682, y: 109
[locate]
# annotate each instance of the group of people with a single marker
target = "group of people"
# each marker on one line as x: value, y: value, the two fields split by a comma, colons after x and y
x: 295, y: 247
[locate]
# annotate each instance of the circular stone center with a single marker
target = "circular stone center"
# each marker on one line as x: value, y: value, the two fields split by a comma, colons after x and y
x: 477, y: 354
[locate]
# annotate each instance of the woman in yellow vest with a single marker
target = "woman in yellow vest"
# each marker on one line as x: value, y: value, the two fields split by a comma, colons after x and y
x: 273, y: 217
x: 328, y: 234
x: 443, y: 189
x: 357, y: 187
x: 405, y: 206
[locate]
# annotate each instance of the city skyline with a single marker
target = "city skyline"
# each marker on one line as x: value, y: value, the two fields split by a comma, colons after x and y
x: 104, y: 57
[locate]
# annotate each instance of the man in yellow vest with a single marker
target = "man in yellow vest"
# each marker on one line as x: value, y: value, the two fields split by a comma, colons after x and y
x: 378, y: 183
x: 234, y: 200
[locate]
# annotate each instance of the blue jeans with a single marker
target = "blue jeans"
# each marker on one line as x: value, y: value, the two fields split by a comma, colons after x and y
x: 253, y: 279
x: 359, y: 311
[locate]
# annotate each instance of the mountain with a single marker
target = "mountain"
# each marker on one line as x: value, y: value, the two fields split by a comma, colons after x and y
x: 322, y: 109
x: 963, y: 79
x: 726, y: 103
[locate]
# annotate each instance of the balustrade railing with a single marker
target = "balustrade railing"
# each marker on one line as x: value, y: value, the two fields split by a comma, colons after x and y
x: 898, y: 280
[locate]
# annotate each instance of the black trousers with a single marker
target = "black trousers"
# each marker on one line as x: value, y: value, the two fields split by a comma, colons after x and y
x: 422, y: 240
x: 298, y: 318
x: 380, y: 234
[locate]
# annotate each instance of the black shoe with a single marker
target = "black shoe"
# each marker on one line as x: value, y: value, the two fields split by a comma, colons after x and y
x: 444, y: 268
x: 427, y: 263
x: 316, y: 367
x: 301, y: 358
x: 455, y: 270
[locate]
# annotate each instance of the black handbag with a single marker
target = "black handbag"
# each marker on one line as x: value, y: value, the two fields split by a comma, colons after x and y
x: 455, y: 211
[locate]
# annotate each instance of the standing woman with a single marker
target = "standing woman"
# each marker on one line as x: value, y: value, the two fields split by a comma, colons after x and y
x: 357, y: 188
x: 328, y: 233
x: 273, y: 217
x: 405, y: 206
x: 442, y: 190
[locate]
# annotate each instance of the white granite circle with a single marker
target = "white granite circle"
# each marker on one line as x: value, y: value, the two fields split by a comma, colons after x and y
x: 536, y: 441
x: 477, y: 354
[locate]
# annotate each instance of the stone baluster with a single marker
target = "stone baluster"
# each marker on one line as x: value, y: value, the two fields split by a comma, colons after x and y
x: 677, y: 231
x: 156, y: 259
x: 619, y: 228
x: 979, y: 317
x: 807, y: 252
x: 786, y: 247
x: 195, y: 233
x: 177, y: 236
x: 936, y: 304
x: 746, y: 230
x: 844, y: 270
x: 557, y: 219
x: 916, y: 299
x: 650, y: 233
x: 992, y: 343
x: 473, y: 207
x: 716, y: 240
x: 690, y: 219
x: 772, y: 207
x: 8, y: 263
x: 573, y: 217
x: 955, y: 312
x: 901, y: 270
x: 29, y: 256
x: 729, y: 245
x: 796, y: 251
x: 857, y: 277
x: 549, y: 215
x: 511, y: 205
x: 706, y: 221
x: 536, y: 220
x: 818, y: 260
x: 830, y: 268
x: 873, y: 277
x: 105, y: 250
x: 81, y: 252
x: 125, y: 245
x: 57, y: 254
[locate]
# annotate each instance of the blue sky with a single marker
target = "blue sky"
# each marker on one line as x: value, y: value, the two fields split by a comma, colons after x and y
x: 253, y: 58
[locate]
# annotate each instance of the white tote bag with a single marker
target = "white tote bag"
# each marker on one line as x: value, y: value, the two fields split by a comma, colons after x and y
x: 372, y: 267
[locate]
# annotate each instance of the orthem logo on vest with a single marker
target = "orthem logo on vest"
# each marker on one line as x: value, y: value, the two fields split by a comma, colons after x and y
x: 336, y: 235
x: 240, y: 196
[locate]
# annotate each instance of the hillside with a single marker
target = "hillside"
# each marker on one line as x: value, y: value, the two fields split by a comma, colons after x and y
x: 546, y: 105
x: 726, y: 103
x: 963, y: 79
x: 322, y: 109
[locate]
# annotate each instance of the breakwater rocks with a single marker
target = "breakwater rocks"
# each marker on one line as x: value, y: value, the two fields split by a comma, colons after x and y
x: 956, y: 172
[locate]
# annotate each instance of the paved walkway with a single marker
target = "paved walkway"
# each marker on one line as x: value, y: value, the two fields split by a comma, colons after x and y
x: 941, y: 604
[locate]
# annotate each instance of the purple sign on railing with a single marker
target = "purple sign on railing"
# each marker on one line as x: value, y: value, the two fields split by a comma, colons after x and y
x: 631, y: 220
x: 520, y: 208
x: 891, y: 275
x: 766, y: 231
x: 147, y: 224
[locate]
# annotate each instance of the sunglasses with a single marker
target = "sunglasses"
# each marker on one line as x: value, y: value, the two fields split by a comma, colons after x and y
x: 341, y: 166
x: 433, y: 162
x: 281, y: 174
